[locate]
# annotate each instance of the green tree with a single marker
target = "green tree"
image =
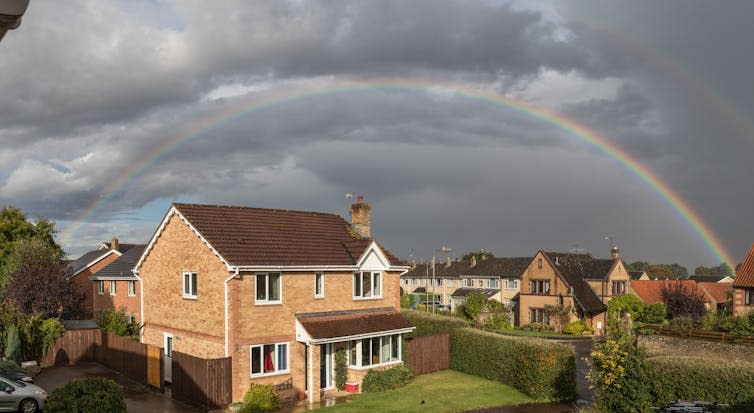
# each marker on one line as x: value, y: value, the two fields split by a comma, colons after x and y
x: 626, y: 302
x: 661, y: 271
x: 13, y: 344
x: 638, y: 266
x: 722, y: 269
x: 479, y: 255
x: 679, y: 271
x: 559, y: 315
x: 474, y: 305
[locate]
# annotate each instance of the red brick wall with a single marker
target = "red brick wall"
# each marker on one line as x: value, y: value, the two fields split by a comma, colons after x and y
x: 121, y: 299
x: 86, y: 286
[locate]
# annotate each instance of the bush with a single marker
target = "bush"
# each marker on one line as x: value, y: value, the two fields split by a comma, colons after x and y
x: 341, y: 369
x: 682, y: 324
x: 696, y: 378
x: 116, y: 322
x: 576, y: 328
x: 540, y: 369
x: 654, y: 313
x: 94, y: 394
x: 405, y: 301
x: 428, y: 324
x: 38, y: 335
x: 260, y: 398
x: 626, y: 303
x: 499, y: 322
x: 538, y: 327
x: 742, y: 326
x: 682, y: 301
x: 381, y: 380
x: 13, y: 344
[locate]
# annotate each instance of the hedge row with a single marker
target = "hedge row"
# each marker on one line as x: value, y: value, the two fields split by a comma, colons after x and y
x: 540, y: 369
x: 696, y: 378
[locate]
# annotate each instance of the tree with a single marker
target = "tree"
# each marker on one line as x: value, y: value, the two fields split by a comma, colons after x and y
x: 682, y: 301
x: 40, y: 281
x: 479, y: 255
x: 625, y: 303
x: 638, y: 266
x: 661, y: 271
x: 722, y: 269
x: 559, y: 315
x: 679, y: 271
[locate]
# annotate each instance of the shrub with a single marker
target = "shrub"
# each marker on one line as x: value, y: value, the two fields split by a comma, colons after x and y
x: 499, y: 322
x: 682, y: 324
x: 474, y: 305
x: 540, y: 369
x: 682, y: 301
x: 94, y: 394
x: 538, y: 327
x: 576, y: 328
x: 381, y: 380
x: 626, y: 303
x: 558, y: 315
x: 654, y: 313
x: 341, y: 369
x: 619, y: 373
x: 13, y: 344
x: 696, y: 378
x: 428, y: 324
x: 405, y: 301
x: 116, y: 322
x: 260, y: 398
x: 742, y: 325
x: 38, y: 335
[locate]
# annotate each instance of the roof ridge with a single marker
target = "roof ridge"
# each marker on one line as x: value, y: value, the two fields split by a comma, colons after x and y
x: 178, y: 204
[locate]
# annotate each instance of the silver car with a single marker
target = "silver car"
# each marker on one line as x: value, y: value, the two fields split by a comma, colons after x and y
x: 17, y: 396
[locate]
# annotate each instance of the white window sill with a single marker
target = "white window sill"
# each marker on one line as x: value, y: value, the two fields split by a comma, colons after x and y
x: 190, y: 297
x: 113, y: 295
x: 263, y: 375
x: 100, y: 293
x: 132, y: 295
x: 268, y: 302
x: 367, y: 298
x: 319, y: 297
x: 372, y: 366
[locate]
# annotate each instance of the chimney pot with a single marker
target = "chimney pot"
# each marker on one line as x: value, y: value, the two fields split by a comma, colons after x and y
x: 473, y: 261
x: 614, y: 252
x: 361, y: 217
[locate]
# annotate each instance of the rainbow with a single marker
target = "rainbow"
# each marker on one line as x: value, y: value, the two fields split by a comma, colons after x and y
x: 285, y: 95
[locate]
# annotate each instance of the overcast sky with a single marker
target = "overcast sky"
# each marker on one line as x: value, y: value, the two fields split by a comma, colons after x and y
x: 91, y: 90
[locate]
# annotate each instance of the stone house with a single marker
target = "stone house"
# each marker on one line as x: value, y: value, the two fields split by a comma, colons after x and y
x: 580, y: 281
x: 278, y: 291
x: 743, y: 286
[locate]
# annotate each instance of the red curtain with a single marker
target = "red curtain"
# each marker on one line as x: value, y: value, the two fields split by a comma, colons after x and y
x: 268, y: 364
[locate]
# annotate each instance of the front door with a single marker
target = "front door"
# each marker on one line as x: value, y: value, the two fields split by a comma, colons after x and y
x: 168, y: 365
x: 325, y: 366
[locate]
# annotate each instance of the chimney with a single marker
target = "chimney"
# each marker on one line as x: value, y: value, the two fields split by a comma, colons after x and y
x: 448, y: 261
x: 361, y: 217
x: 473, y: 261
x: 114, y: 244
x: 556, y: 260
x: 614, y: 252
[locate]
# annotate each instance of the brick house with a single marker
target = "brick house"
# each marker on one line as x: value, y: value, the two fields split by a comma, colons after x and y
x: 578, y: 280
x: 743, y: 286
x: 278, y: 291
x: 116, y: 287
x: 91, y: 263
x: 650, y: 291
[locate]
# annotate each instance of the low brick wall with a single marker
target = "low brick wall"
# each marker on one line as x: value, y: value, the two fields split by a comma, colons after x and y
x: 657, y: 345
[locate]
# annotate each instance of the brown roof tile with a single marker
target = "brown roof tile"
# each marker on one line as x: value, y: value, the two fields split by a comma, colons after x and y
x: 745, y: 274
x: 336, y: 324
x: 650, y: 291
x: 718, y: 291
x: 490, y: 267
x: 574, y: 268
x: 259, y: 236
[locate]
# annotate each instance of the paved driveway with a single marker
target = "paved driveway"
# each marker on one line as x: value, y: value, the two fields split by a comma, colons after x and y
x: 139, y: 398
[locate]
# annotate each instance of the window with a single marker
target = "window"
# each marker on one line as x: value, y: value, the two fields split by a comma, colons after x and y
x: 493, y: 283
x: 511, y: 283
x: 539, y: 263
x: 438, y: 281
x: 618, y: 287
x: 269, y: 288
x: 132, y: 319
x: 131, y: 288
x: 749, y: 296
x: 538, y: 315
x: 100, y: 287
x: 319, y: 285
x: 480, y: 283
x: 268, y: 359
x: 539, y: 286
x: 468, y: 282
x: 113, y: 285
x: 189, y: 285
x: 367, y: 284
x: 374, y: 351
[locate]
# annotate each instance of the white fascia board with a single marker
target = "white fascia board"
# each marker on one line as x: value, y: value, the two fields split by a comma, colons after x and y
x: 100, y: 258
x: 360, y: 336
x: 293, y: 268
x: 96, y: 277
x: 174, y: 211
x: 301, y: 334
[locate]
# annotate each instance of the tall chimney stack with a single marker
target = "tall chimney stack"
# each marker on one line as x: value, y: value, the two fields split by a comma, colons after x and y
x: 114, y: 243
x: 614, y: 252
x: 361, y: 217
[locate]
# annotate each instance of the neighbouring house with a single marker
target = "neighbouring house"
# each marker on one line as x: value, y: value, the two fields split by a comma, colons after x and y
x: 638, y: 275
x: 277, y: 291
x: 496, y: 278
x: 711, y: 278
x: 91, y: 263
x: 720, y: 294
x: 580, y: 281
x: 116, y: 287
x: 743, y: 286
x: 650, y: 291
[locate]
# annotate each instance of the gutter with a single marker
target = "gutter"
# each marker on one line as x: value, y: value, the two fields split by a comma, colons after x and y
x: 141, y: 305
x: 227, y: 327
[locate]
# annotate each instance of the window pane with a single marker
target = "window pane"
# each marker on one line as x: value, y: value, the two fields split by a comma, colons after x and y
x: 377, y: 283
x: 256, y: 360
x: 269, y: 358
x: 385, y: 352
x: 261, y: 287
x: 365, y: 352
x: 186, y: 287
x: 394, y: 347
x: 356, y: 284
x: 352, y: 360
x: 282, y: 356
x: 274, y: 280
x: 318, y: 284
x: 194, y: 288
x: 366, y: 282
x: 376, y: 350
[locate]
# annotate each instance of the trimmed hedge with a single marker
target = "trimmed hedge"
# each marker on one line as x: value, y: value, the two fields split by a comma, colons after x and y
x: 696, y: 378
x: 539, y: 369
x: 428, y: 325
x: 381, y: 380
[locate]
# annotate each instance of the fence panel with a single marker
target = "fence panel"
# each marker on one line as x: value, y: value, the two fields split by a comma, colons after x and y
x: 429, y: 354
x: 154, y: 366
x: 73, y: 347
x: 702, y: 335
x: 201, y: 382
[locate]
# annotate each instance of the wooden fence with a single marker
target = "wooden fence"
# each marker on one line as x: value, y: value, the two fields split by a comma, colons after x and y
x: 429, y: 354
x: 702, y: 335
x: 202, y: 382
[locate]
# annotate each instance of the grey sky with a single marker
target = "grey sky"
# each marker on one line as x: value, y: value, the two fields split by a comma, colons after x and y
x: 91, y: 89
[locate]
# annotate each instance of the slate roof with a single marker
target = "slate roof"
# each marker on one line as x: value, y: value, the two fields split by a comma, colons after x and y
x: 335, y: 324
x: 491, y: 267
x: 707, y: 278
x: 464, y: 292
x: 650, y: 291
x: 574, y: 268
x: 260, y: 236
x: 122, y: 266
x: 81, y: 262
x: 718, y: 291
x: 745, y: 274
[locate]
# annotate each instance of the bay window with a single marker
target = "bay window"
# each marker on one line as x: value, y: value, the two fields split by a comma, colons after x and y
x: 268, y: 359
x: 367, y: 284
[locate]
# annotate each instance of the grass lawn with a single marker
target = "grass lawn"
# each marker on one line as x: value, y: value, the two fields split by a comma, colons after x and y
x: 445, y: 391
x: 545, y: 334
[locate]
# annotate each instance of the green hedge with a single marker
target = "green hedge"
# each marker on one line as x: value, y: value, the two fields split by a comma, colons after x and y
x: 381, y: 380
x: 539, y: 369
x: 93, y: 394
x: 696, y: 378
x: 428, y: 324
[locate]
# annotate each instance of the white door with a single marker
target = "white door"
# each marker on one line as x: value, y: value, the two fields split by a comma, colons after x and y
x: 168, y: 359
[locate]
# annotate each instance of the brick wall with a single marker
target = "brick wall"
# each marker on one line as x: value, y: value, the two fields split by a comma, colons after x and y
x: 86, y: 286
x: 121, y: 300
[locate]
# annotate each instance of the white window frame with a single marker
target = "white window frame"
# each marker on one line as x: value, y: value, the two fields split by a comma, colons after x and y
x: 319, y: 283
x: 193, y: 292
x: 132, y: 288
x: 372, y: 276
x: 113, y: 287
x: 468, y: 282
x: 360, y: 346
x: 131, y: 319
x: 100, y: 287
x: 495, y: 281
x: 266, y: 300
x: 275, y: 359
x: 511, y: 281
